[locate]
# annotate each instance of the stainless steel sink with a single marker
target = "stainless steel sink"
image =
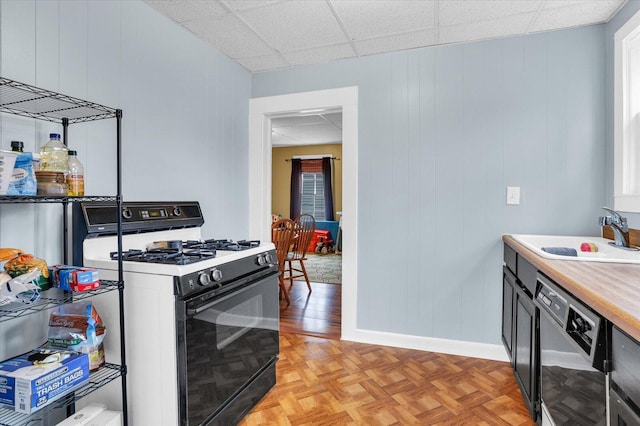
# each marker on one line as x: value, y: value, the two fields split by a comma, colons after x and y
x: 605, y: 253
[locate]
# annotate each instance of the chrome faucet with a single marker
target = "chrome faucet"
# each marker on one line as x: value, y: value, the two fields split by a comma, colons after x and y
x: 618, y: 224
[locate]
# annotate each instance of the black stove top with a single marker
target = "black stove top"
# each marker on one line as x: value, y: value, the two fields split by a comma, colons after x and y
x: 167, y: 256
x: 183, y: 252
x: 227, y: 245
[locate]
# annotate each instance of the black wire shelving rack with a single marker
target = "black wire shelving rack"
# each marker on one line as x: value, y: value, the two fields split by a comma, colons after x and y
x: 33, y: 102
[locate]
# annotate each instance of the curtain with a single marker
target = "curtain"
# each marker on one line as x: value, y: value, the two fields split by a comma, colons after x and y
x: 328, y: 190
x: 296, y: 176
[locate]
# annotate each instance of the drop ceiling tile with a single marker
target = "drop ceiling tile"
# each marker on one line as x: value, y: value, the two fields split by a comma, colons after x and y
x: 454, y: 12
x: 237, y: 5
x: 295, y: 25
x: 186, y: 10
x: 281, y: 140
x: 396, y: 42
x: 512, y: 25
x: 611, y: 5
x: 563, y: 3
x: 369, y: 19
x: 320, y: 54
x: 335, y: 118
x: 312, y: 133
x: 304, y: 120
x: 263, y: 63
x: 573, y: 16
x: 230, y: 36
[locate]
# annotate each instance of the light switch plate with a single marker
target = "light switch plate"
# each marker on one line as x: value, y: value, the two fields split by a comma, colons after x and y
x: 513, y: 195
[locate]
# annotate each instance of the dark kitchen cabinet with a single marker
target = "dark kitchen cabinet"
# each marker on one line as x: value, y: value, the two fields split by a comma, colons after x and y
x: 508, y: 292
x: 509, y: 285
x: 624, y: 395
x: 520, y: 319
x: 525, y: 348
x: 36, y: 103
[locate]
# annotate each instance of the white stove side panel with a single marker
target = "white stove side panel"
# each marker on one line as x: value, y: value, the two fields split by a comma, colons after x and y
x: 150, y: 329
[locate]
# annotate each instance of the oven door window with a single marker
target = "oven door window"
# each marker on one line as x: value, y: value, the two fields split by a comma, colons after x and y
x: 572, y: 391
x: 227, y: 342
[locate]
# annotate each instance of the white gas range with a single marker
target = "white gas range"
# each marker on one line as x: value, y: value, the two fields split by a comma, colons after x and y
x: 202, y: 316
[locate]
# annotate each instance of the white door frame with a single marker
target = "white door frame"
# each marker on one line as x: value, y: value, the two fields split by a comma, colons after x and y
x: 260, y: 169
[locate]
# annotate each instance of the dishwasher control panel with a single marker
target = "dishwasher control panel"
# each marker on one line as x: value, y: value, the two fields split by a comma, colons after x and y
x: 578, y: 323
x: 553, y: 301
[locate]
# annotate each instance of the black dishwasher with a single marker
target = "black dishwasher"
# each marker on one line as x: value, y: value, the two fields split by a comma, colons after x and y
x: 625, y: 380
x: 572, y: 359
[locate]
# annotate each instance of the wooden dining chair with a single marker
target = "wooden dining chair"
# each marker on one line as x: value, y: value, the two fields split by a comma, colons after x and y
x: 305, y: 225
x: 282, y: 234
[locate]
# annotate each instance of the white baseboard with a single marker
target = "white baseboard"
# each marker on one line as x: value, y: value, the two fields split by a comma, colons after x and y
x: 431, y: 344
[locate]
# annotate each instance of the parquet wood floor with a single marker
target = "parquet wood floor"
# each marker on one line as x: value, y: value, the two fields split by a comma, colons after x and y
x: 331, y: 382
x: 322, y: 380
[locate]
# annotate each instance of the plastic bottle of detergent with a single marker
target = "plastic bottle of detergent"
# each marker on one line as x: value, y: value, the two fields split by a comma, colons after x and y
x: 54, y: 155
x: 75, y: 177
x: 22, y: 181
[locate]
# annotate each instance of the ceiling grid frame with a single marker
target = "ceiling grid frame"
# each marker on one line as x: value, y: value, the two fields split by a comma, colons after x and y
x: 289, y: 33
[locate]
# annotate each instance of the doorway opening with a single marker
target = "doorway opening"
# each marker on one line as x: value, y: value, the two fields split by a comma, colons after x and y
x: 260, y: 180
x: 306, y: 138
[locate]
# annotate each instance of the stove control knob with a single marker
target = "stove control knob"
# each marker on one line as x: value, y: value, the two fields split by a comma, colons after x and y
x: 261, y: 260
x: 126, y: 213
x: 177, y: 211
x: 216, y: 275
x: 203, y: 279
x: 268, y: 258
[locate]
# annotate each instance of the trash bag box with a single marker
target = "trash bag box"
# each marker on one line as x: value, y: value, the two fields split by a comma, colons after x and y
x: 33, y: 380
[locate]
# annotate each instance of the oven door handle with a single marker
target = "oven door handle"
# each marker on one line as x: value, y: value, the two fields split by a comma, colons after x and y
x: 201, y: 308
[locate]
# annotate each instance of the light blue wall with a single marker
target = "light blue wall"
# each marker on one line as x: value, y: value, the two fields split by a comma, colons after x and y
x: 442, y: 132
x: 185, y: 105
x: 612, y: 26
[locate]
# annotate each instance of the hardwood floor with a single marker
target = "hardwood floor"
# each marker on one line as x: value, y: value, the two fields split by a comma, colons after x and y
x: 322, y: 380
x: 316, y: 313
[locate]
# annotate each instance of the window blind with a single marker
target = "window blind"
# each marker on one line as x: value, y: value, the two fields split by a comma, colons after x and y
x: 312, y: 197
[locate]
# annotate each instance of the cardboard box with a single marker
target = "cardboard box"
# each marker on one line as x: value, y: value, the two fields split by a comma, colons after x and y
x: 78, y: 288
x: 34, y: 380
x: 74, y: 278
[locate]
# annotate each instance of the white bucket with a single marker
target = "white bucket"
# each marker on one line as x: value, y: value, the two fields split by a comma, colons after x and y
x: 7, y: 160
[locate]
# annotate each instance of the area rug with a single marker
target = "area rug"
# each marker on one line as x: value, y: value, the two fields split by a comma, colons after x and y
x: 325, y: 268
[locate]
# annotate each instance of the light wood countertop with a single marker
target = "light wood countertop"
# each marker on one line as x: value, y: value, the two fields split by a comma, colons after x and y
x: 611, y: 289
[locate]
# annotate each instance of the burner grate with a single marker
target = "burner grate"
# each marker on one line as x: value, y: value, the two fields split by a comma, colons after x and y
x: 230, y: 245
x: 184, y: 252
x: 166, y: 256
